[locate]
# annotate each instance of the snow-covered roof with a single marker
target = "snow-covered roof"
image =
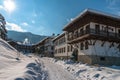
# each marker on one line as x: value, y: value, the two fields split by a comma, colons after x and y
x: 58, y: 36
x: 50, y: 37
x: 102, y: 13
x: 94, y: 12
x: 41, y: 41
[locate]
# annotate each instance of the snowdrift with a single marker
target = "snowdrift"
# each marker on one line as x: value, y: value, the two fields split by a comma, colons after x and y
x: 87, y: 72
x: 8, y: 54
x: 34, y: 71
x: 26, y: 68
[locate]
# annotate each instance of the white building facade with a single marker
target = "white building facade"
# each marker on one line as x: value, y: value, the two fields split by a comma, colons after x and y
x: 96, y: 37
x: 62, y: 50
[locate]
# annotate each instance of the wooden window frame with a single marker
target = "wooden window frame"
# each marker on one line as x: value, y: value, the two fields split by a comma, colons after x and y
x: 81, y: 46
x: 86, y: 45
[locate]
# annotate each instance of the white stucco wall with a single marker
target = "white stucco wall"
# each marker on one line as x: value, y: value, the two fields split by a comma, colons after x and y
x: 96, y: 49
x: 105, y: 50
x: 64, y: 53
x: 84, y: 51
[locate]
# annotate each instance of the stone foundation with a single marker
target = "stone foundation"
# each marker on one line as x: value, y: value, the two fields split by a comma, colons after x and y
x: 62, y: 57
x: 85, y: 59
x: 102, y: 60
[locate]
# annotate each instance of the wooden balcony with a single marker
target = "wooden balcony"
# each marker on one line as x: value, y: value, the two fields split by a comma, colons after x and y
x: 92, y: 34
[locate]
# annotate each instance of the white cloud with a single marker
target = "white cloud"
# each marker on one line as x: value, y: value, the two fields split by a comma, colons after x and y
x: 113, y: 2
x: 71, y: 19
x: 34, y: 14
x: 1, y: 7
x: 15, y: 27
x: 33, y: 21
x: 24, y: 24
x: 114, y: 5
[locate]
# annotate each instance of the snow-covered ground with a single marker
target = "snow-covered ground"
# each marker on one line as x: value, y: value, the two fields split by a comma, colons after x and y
x: 56, y: 72
x: 86, y: 72
x: 24, y: 68
x: 16, y: 66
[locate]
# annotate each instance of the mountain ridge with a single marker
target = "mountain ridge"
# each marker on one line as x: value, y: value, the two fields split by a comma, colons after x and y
x: 21, y: 36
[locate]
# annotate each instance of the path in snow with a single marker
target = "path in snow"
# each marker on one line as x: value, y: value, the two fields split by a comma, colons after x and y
x: 56, y: 72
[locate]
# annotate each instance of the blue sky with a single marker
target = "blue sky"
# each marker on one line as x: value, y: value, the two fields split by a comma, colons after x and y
x: 45, y: 17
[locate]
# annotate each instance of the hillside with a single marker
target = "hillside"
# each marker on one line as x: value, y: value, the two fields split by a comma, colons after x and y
x: 21, y: 36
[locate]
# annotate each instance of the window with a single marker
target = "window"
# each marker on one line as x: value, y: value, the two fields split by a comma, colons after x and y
x: 86, y: 45
x: 81, y: 31
x: 64, y: 49
x: 104, y: 28
x: 102, y: 58
x: 71, y: 47
x: 52, y: 48
x: 0, y: 32
x: 81, y: 46
x: 55, y: 43
x: 64, y: 39
x: 119, y: 32
x: 111, y: 28
x: 87, y: 28
x: 70, y: 36
x: 68, y: 48
x: 60, y: 50
x: 76, y: 33
x: 56, y: 51
x: 97, y: 29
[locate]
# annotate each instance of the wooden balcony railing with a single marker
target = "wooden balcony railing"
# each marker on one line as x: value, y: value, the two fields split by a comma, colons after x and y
x: 93, y: 32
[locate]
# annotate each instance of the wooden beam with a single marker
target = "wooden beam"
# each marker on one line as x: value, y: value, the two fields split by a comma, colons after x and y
x: 103, y: 43
x: 89, y: 42
x: 112, y: 44
x: 77, y: 45
x: 118, y: 45
x: 94, y: 42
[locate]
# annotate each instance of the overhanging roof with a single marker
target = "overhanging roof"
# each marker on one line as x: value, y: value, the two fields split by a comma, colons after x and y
x: 116, y: 17
x: 57, y: 37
